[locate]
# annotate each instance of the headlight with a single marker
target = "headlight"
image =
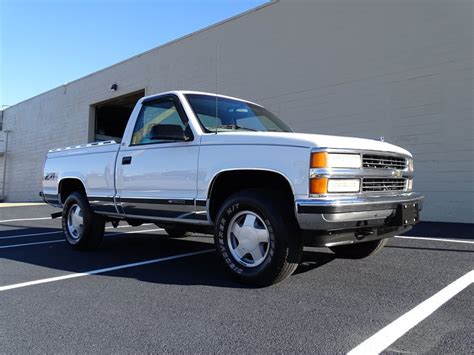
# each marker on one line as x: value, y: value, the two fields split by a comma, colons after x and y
x: 343, y: 185
x: 322, y: 186
x: 335, y: 160
x: 409, y: 184
x: 410, y: 164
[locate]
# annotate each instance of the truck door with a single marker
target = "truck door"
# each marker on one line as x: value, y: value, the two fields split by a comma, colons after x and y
x: 156, y: 170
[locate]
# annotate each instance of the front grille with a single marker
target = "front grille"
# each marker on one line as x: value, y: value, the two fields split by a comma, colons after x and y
x: 376, y: 161
x: 383, y: 184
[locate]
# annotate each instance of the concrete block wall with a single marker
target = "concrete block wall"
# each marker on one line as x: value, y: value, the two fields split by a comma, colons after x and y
x: 398, y: 69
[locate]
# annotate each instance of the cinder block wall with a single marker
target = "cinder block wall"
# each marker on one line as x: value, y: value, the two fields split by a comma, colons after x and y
x: 398, y: 69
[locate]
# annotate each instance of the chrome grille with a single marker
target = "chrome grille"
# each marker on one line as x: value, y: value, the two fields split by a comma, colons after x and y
x: 383, y: 184
x: 377, y: 161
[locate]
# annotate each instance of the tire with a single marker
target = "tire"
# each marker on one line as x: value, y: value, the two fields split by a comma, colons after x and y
x: 176, y: 232
x: 89, y: 234
x: 271, y: 248
x: 359, y: 250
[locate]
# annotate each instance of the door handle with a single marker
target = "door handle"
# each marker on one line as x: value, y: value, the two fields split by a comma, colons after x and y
x: 126, y: 160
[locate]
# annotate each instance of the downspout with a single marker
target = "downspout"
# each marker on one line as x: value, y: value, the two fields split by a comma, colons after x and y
x: 5, y: 163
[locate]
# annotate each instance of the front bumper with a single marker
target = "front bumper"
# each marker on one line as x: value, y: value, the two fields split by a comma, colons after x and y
x: 345, y: 212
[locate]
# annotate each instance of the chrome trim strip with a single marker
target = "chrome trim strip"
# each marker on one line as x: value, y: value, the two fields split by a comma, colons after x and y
x: 166, y: 219
x: 358, y: 151
x: 358, y: 173
x: 360, y: 201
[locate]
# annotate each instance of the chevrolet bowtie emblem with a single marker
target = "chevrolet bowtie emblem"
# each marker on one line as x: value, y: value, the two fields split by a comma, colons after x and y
x: 397, y: 173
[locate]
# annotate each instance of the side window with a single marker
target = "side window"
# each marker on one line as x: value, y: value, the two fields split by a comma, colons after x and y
x: 152, y: 115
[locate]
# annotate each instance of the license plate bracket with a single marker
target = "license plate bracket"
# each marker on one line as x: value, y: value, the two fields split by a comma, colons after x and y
x: 407, y: 214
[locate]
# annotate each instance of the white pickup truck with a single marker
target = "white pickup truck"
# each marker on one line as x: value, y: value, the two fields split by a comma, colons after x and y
x: 199, y: 162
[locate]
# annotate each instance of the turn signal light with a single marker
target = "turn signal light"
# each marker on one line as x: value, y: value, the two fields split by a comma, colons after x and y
x: 319, y: 160
x: 318, y: 186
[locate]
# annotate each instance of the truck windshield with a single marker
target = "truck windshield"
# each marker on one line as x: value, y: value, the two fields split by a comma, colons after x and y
x: 219, y: 114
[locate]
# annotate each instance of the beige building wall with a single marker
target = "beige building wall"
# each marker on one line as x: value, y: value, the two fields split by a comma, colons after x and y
x: 399, y: 69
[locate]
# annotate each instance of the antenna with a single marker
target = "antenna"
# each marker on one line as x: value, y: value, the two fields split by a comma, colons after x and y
x: 217, y: 79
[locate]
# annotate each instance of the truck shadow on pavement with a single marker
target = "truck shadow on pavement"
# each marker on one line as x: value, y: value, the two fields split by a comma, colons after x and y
x: 203, y: 269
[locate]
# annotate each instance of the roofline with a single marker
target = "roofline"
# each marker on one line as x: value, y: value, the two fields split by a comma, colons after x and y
x: 185, y: 92
x: 232, y: 18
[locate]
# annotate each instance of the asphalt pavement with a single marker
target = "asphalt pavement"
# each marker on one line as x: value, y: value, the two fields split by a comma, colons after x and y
x: 143, y: 292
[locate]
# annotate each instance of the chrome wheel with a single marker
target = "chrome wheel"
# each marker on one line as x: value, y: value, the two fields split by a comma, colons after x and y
x: 248, y: 239
x: 75, y: 222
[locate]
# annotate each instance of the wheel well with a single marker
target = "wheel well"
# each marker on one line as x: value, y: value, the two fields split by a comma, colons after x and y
x: 229, y: 182
x: 68, y: 186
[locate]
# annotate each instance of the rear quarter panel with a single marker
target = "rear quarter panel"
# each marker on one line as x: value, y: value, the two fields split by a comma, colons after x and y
x: 94, y: 166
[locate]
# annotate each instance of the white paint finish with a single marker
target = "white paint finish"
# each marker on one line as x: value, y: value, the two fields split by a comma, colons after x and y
x: 101, y: 271
x: 236, y: 152
x: 165, y: 170
x: 437, y: 239
x: 94, y: 166
x: 392, y: 68
x: 170, y: 170
x: 395, y: 330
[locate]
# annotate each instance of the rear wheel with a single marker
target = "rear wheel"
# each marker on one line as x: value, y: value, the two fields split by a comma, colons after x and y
x: 359, y: 250
x: 82, y: 228
x: 257, y: 237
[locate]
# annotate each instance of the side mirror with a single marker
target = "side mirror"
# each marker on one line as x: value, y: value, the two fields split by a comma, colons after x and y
x: 167, y: 132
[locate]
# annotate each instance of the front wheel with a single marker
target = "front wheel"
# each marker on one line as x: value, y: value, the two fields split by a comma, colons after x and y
x: 257, y: 237
x: 82, y: 228
x: 359, y: 250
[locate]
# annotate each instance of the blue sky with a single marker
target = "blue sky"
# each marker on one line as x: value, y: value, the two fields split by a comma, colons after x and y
x: 46, y: 43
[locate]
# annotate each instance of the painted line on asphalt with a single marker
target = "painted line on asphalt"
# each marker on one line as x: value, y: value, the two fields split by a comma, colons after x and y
x: 436, y: 239
x: 25, y: 219
x: 102, y: 271
x: 395, y: 330
x: 62, y: 240
x: 35, y: 243
x: 27, y: 235
x: 21, y: 204
x: 46, y: 233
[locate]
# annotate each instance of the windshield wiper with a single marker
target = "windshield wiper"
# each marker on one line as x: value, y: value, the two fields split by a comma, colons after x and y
x: 234, y: 126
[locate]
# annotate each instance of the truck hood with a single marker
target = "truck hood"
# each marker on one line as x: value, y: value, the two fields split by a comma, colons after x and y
x: 302, y: 140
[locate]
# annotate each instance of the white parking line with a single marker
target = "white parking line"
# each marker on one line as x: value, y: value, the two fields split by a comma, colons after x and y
x: 46, y: 233
x: 35, y: 243
x: 62, y: 240
x: 101, y: 271
x: 436, y: 239
x: 27, y: 235
x: 392, y: 332
x: 24, y: 219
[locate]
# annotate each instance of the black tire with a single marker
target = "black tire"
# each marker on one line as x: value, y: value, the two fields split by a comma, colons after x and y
x: 176, y: 232
x: 282, y: 252
x: 359, y: 250
x: 92, y: 231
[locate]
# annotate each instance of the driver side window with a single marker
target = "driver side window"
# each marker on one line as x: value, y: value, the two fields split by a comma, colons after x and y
x: 152, y: 115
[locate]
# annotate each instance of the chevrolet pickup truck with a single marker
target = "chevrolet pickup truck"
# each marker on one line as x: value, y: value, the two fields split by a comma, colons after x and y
x: 199, y: 162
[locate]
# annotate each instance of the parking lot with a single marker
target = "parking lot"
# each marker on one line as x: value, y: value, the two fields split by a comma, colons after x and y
x: 143, y: 292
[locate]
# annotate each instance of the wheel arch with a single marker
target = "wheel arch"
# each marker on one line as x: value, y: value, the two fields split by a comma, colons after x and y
x: 226, y: 182
x: 68, y: 185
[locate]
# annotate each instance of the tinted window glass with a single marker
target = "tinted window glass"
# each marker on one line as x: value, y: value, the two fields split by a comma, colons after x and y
x: 222, y: 114
x: 151, y: 116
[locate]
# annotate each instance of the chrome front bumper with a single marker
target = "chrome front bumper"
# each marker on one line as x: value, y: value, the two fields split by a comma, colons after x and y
x: 345, y: 212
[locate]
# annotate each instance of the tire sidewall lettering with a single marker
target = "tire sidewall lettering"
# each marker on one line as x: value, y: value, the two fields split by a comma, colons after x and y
x: 222, y: 244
